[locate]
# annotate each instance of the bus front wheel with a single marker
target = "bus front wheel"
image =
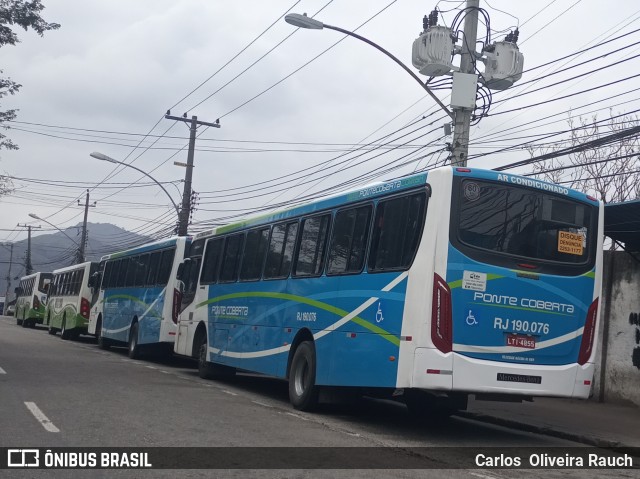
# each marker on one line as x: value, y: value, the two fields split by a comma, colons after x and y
x: 303, y: 392
x: 134, y: 347
x: 207, y: 370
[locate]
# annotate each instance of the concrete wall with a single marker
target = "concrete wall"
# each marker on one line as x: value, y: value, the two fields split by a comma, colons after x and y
x: 617, y: 376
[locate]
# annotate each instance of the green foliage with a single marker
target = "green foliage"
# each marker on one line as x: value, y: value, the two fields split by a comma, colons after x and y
x: 24, y: 14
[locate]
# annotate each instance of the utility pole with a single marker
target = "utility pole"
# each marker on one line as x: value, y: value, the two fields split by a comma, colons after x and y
x: 6, y: 294
x: 185, y: 209
x: 27, y: 263
x: 462, y: 116
x: 83, y: 241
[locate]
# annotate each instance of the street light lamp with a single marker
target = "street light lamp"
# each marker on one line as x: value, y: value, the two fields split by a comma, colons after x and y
x: 302, y: 21
x: 103, y: 157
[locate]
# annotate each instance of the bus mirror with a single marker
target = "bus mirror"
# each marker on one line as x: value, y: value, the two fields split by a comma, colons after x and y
x: 93, y: 280
x: 18, y: 291
x: 181, y: 267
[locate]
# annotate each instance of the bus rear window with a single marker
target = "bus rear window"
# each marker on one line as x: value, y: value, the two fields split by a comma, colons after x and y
x: 524, y: 222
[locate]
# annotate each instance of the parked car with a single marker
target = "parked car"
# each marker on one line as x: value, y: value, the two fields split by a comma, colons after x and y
x: 11, y: 310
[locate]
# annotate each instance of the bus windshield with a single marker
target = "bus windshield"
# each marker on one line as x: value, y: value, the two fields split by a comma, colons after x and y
x: 525, y: 222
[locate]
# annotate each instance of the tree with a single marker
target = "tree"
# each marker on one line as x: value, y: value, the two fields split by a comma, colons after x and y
x: 609, y: 171
x: 24, y: 14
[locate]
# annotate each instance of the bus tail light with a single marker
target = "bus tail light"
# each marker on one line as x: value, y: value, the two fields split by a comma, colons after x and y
x: 441, y: 315
x: 588, y: 334
x: 85, y: 308
x: 36, y: 302
x: 177, y: 299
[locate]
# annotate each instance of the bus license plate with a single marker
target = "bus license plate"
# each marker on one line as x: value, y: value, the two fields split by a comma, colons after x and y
x: 520, y: 341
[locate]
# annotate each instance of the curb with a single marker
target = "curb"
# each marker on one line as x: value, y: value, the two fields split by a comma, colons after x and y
x: 549, y: 431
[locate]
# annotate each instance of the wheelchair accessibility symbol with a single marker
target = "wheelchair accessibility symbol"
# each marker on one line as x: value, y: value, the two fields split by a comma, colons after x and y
x: 379, y: 316
x: 471, y: 319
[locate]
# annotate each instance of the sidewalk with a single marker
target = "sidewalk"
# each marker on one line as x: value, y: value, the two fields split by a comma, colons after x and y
x: 587, y: 422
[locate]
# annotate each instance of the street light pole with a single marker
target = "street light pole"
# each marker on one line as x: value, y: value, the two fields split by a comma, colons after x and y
x: 103, y: 157
x: 36, y: 217
x: 302, y: 21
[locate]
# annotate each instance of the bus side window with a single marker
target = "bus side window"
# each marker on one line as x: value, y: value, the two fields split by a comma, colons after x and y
x: 396, y: 232
x: 349, y: 240
x: 166, y: 262
x: 141, y: 273
x: 281, y: 246
x: 154, y: 264
x: 231, y: 258
x: 122, y: 273
x: 313, y: 241
x: 209, y: 274
x: 255, y: 250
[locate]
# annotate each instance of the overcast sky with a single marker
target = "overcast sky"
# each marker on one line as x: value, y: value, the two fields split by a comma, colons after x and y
x: 108, y: 75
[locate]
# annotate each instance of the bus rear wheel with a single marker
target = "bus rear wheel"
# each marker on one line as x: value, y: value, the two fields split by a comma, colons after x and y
x: 303, y: 392
x: 103, y: 343
x: 64, y: 332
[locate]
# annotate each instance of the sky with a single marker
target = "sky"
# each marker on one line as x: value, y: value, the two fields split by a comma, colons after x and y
x: 291, y: 116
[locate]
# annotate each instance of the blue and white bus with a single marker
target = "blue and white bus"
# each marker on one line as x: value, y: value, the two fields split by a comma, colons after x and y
x: 139, y: 297
x: 434, y: 286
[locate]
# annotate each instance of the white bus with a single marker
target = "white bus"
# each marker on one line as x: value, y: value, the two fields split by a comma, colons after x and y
x: 432, y: 286
x: 69, y: 300
x: 31, y: 299
x: 138, y: 297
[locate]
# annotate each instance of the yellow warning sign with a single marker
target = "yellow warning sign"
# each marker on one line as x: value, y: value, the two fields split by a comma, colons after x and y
x: 570, y: 243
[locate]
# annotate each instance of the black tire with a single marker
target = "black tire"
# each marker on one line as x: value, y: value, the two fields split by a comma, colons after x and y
x: 103, y: 343
x: 303, y: 392
x: 207, y: 370
x: 133, y: 346
x: 25, y: 322
x: 52, y: 331
x: 19, y: 321
x: 65, y: 334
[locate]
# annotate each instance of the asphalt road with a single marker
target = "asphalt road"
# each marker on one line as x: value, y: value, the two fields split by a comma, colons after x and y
x: 95, y: 398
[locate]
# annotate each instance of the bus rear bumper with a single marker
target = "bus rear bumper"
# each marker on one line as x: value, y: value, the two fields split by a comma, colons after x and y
x: 453, y: 372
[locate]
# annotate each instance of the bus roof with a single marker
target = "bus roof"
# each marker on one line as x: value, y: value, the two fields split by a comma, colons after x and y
x: 387, y: 187
x: 372, y: 190
x: 156, y: 245
x: 33, y: 275
x: 72, y: 268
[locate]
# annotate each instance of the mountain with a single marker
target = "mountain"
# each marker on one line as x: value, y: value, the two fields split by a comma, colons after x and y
x: 57, y: 250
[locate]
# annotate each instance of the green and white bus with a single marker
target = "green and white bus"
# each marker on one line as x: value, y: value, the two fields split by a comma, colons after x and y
x: 70, y: 300
x: 31, y: 298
